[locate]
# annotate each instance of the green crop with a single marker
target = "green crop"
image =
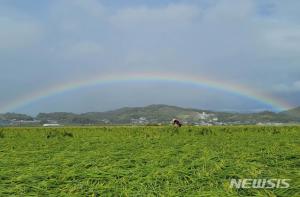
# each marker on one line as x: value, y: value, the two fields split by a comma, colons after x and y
x: 147, y: 161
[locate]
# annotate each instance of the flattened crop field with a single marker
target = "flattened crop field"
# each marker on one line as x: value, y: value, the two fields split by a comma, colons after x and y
x: 147, y: 161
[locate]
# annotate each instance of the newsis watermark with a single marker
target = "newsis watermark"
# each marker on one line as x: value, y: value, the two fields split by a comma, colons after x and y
x: 259, y: 183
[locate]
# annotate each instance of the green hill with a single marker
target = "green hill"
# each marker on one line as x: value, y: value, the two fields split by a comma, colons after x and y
x: 165, y: 113
x: 292, y: 114
x: 154, y: 114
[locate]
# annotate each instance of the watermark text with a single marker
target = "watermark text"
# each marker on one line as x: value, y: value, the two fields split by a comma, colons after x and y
x: 259, y: 183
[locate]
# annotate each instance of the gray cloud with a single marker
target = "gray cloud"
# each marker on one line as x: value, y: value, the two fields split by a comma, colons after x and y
x: 172, y: 14
x: 293, y: 87
x: 18, y: 34
x: 252, y: 43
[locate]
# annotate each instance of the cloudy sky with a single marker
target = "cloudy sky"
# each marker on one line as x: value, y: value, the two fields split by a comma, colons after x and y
x: 253, y: 43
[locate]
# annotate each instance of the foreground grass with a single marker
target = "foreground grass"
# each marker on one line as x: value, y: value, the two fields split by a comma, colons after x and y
x: 146, y: 161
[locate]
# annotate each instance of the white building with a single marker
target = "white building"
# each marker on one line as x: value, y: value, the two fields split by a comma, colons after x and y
x: 51, y: 125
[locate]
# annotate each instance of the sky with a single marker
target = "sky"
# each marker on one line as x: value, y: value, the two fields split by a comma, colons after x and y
x: 252, y: 43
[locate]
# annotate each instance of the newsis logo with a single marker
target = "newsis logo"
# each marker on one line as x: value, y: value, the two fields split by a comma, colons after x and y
x: 259, y: 183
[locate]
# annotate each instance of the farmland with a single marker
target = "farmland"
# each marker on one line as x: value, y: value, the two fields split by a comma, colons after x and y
x: 145, y: 160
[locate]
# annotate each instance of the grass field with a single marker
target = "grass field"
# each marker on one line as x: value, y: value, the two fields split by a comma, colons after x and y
x: 147, y: 161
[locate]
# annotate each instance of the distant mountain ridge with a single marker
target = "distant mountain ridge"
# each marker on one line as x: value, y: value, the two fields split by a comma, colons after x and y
x: 292, y: 113
x: 160, y: 114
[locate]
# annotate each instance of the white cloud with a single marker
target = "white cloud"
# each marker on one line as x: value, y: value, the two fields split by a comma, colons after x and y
x: 230, y: 11
x: 68, y: 18
x: 291, y: 88
x: 284, y: 39
x: 74, y: 8
x: 173, y: 14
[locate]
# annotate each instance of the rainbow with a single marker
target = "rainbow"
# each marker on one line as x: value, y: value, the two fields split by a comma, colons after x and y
x: 202, y: 81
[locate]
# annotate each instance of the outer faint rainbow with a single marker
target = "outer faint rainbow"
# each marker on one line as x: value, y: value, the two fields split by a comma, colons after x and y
x: 164, y: 77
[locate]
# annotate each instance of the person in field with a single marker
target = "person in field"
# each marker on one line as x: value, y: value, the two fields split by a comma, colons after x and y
x: 176, y: 123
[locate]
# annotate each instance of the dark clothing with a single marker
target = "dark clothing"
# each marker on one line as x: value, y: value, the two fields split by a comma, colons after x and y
x: 177, y: 123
